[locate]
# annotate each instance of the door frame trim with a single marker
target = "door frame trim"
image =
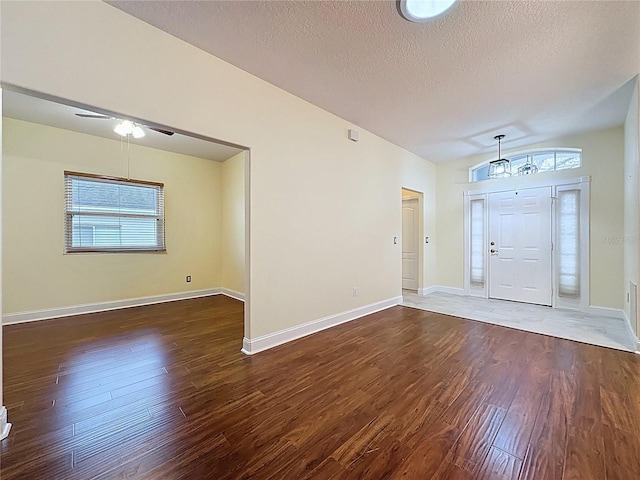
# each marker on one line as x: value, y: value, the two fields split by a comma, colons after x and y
x: 583, y: 184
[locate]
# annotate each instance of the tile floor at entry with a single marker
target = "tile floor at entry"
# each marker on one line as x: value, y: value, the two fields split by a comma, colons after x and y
x: 572, y: 325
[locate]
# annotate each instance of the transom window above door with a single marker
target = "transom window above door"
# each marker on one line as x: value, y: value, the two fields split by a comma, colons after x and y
x: 532, y: 161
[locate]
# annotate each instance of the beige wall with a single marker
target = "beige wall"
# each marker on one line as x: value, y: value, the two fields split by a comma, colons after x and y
x: 631, y: 198
x: 36, y: 273
x: 233, y: 236
x: 602, y: 159
x: 324, y: 210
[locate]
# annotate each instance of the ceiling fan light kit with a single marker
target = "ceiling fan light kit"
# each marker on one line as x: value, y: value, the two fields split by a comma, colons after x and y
x: 126, y: 127
x: 137, y: 132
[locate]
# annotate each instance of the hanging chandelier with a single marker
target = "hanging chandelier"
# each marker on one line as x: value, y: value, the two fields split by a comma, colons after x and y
x: 528, y: 168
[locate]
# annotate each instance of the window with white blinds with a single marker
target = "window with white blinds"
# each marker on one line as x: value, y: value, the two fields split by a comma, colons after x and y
x: 113, y: 214
x: 477, y: 247
x: 568, y: 217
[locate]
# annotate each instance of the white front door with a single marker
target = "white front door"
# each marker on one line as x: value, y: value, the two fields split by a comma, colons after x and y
x: 520, y: 245
x: 410, y: 243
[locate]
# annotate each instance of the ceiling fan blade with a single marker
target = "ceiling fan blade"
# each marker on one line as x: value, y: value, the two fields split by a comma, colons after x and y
x: 102, y: 117
x: 159, y: 130
x: 91, y: 115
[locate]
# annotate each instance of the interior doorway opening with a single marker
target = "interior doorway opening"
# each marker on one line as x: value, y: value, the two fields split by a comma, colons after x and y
x: 206, y: 183
x: 412, y: 232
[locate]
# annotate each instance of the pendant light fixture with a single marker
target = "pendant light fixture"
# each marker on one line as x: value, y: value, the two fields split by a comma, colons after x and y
x: 500, y: 167
x: 528, y: 168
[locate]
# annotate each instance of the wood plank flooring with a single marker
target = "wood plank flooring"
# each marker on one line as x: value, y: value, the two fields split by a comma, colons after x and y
x: 163, y: 392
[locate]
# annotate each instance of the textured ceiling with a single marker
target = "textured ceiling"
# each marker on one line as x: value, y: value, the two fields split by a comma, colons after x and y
x: 534, y: 70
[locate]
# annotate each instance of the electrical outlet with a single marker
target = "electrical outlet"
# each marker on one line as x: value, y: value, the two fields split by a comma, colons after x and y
x: 355, y: 292
x: 188, y: 278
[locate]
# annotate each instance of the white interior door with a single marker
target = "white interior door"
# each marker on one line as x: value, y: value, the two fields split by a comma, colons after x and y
x: 410, y: 243
x: 520, y: 245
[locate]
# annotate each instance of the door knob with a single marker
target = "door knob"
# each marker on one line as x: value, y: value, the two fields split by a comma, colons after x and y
x: 493, y: 251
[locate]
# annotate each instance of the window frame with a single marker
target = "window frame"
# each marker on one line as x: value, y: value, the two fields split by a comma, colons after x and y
x: 531, y: 152
x: 160, y: 246
x: 475, y: 289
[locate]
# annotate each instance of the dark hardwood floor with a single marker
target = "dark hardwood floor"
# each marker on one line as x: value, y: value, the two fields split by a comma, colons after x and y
x: 163, y: 392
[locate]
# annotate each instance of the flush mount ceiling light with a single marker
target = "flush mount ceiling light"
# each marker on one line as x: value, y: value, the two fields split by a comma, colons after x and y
x: 502, y: 166
x: 423, y: 10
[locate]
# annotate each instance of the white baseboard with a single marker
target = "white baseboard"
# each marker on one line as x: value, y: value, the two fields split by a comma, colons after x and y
x: 441, y: 289
x: 593, y: 310
x: 21, y: 317
x: 232, y: 294
x: 627, y: 323
x: 605, y: 311
x: 251, y: 346
x: 246, y: 346
x: 5, y: 427
x: 427, y: 290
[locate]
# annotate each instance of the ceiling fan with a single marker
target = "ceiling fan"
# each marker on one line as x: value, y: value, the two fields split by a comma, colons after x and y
x: 126, y: 128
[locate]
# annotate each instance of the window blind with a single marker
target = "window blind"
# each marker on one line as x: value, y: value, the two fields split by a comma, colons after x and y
x: 112, y: 214
x: 477, y: 246
x: 568, y: 243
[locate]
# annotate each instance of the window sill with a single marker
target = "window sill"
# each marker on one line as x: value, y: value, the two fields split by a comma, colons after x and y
x: 93, y: 250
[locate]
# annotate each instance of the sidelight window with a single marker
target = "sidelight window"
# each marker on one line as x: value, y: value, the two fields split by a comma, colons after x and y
x: 477, y: 247
x: 568, y: 218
